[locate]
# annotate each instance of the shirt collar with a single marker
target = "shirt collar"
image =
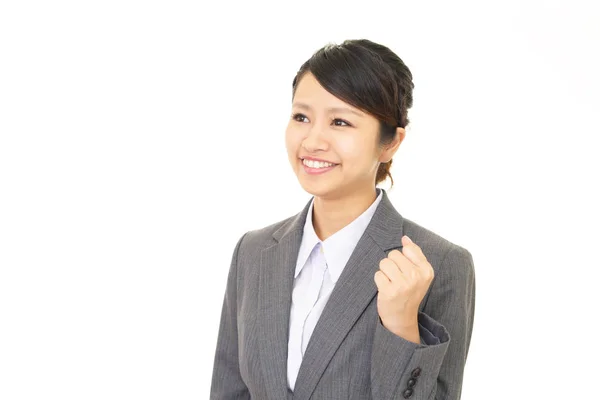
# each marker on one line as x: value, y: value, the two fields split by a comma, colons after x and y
x: 338, y: 247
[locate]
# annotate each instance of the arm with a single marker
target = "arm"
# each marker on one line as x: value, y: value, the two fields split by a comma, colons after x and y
x: 452, y: 304
x: 227, y: 383
x: 432, y: 369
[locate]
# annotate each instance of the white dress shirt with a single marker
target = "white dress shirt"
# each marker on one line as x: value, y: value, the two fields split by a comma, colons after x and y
x: 318, y: 267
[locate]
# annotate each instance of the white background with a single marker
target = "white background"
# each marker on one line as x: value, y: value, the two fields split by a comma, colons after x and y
x: 140, y: 140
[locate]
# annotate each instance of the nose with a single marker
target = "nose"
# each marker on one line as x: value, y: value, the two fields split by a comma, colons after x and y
x: 315, y: 140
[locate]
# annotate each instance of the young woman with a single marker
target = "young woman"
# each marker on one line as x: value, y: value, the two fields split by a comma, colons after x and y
x: 346, y: 299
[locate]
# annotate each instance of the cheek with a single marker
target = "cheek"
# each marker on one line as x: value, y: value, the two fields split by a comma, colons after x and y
x: 291, y: 141
x: 358, y: 155
x: 288, y: 137
x: 351, y: 148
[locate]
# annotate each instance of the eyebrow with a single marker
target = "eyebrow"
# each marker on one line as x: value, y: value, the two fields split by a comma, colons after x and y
x: 332, y: 109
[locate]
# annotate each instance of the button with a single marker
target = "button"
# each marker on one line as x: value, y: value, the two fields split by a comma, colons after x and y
x: 407, y: 393
x: 415, y: 372
x: 411, y: 382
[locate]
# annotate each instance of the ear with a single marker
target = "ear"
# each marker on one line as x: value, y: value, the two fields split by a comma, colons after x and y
x: 390, y: 149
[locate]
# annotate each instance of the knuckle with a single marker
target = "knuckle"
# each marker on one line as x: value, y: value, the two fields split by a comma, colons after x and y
x: 394, y: 253
x: 382, y: 267
x: 430, y: 274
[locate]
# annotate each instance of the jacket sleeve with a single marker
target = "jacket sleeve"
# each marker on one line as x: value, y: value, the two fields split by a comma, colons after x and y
x: 433, y: 369
x: 227, y: 383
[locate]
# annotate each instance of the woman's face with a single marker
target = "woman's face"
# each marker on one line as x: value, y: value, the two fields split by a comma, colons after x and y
x: 324, y: 127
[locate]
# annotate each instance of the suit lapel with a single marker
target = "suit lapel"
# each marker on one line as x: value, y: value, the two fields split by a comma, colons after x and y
x: 352, y: 294
x: 277, y: 264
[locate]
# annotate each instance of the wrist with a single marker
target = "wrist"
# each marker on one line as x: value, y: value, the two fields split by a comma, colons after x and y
x: 406, y: 330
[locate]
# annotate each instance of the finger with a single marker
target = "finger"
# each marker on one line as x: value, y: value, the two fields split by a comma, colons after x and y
x: 382, y: 281
x: 409, y: 270
x: 408, y: 243
x: 401, y: 260
x: 412, y: 251
x: 390, y: 269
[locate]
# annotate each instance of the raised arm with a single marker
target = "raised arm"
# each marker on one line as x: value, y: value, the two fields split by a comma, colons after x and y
x: 431, y: 369
x: 452, y: 304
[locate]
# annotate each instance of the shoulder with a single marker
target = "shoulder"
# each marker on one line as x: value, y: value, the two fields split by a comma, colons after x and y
x: 443, y: 254
x: 257, y: 239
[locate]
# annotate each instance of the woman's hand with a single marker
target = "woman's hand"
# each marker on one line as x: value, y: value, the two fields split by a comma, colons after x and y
x: 402, y: 281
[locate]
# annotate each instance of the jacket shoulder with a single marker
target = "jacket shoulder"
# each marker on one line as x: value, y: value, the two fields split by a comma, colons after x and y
x: 263, y: 237
x: 452, y: 264
x: 432, y: 244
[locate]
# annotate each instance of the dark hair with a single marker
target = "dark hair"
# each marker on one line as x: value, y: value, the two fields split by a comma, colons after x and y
x: 370, y: 77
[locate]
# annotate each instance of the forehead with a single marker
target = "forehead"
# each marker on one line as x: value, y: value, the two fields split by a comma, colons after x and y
x: 309, y: 92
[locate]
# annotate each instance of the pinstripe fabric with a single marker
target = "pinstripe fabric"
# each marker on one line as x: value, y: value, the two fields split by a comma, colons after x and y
x: 350, y: 354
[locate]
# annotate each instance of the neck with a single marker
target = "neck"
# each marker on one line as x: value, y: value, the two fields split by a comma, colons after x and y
x: 332, y: 214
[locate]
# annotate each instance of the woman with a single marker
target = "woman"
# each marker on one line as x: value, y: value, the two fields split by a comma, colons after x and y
x: 347, y: 299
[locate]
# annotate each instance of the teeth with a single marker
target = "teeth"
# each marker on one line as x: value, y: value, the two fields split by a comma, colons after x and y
x: 316, y: 164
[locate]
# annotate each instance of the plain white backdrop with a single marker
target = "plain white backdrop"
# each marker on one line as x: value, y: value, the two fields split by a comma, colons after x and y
x: 140, y: 140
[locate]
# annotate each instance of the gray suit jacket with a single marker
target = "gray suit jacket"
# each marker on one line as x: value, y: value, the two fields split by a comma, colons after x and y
x: 350, y: 354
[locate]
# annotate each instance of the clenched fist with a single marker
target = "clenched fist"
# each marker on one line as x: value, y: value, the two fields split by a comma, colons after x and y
x: 402, y: 281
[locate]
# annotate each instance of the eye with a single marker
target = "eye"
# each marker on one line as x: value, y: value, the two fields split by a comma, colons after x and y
x: 298, y: 117
x: 336, y: 121
x: 342, y: 121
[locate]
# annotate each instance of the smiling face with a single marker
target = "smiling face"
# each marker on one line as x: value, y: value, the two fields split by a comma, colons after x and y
x: 326, y: 128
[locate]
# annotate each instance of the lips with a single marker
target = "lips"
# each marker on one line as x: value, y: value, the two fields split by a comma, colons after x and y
x: 317, y: 171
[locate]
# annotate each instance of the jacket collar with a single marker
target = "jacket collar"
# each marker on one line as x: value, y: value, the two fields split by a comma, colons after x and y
x: 339, y: 246
x: 385, y: 227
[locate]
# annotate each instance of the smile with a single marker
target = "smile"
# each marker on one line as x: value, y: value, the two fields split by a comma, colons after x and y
x: 317, y: 164
x: 317, y: 167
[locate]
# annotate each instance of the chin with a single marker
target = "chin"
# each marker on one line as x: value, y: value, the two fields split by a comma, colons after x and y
x: 317, y: 190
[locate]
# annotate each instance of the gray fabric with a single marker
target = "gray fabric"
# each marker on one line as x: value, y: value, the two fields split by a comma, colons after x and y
x: 350, y: 354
